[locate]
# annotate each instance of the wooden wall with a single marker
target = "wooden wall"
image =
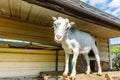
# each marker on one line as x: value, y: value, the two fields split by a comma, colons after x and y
x: 24, y: 62
x: 103, y: 46
x: 11, y: 29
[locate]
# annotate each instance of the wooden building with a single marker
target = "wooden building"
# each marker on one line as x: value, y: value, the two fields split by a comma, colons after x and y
x: 30, y: 20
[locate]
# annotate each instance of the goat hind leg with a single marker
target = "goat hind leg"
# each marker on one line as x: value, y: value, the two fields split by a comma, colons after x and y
x: 95, y: 50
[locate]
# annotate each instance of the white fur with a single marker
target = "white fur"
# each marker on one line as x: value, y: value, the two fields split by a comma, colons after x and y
x: 74, y: 42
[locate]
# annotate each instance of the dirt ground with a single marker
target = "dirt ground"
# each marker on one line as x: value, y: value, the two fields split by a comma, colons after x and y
x: 20, y: 78
x: 105, y: 76
x: 110, y: 75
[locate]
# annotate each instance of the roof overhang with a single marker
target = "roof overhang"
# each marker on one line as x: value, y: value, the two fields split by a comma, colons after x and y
x: 31, y: 20
x: 80, y: 10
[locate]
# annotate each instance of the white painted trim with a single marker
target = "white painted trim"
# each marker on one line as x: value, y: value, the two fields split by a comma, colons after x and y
x: 110, y: 55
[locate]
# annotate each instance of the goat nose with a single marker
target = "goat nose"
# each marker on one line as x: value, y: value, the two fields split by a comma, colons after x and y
x: 58, y: 36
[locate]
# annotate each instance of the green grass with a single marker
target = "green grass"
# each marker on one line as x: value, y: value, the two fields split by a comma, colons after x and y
x: 115, y: 49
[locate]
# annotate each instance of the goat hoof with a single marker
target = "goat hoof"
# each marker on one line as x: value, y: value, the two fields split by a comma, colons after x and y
x: 99, y: 74
x: 72, y: 78
x: 65, y: 75
x: 87, y: 72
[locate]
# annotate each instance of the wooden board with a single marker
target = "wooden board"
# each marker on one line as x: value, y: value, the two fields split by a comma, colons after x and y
x: 24, y: 62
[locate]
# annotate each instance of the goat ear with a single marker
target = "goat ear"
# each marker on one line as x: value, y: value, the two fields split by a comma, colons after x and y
x: 54, y: 18
x: 67, y: 19
x: 72, y: 23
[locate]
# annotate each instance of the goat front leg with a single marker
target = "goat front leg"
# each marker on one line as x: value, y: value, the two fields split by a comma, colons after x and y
x: 74, y: 61
x: 66, y: 65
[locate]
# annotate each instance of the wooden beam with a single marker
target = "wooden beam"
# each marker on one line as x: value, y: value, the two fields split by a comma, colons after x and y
x: 26, y: 51
x: 29, y: 51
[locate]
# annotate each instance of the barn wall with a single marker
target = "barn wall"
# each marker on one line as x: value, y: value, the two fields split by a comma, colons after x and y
x: 103, y: 47
x: 11, y: 29
x: 23, y: 62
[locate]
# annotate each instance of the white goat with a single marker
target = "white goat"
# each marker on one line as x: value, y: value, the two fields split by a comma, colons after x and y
x: 74, y: 42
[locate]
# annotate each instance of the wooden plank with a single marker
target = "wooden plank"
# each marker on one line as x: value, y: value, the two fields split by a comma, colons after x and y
x: 25, y: 8
x: 26, y: 38
x: 103, y: 49
x: 25, y: 65
x: 61, y: 52
x: 4, y: 46
x: 46, y: 16
x: 23, y: 25
x: 102, y: 39
x: 4, y: 7
x: 34, y: 13
x: 40, y: 16
x: 12, y: 54
x: 96, y: 30
x: 28, y: 32
x: 25, y: 58
x: 15, y: 7
x: 26, y: 51
x: 24, y: 32
x: 104, y: 44
x: 105, y: 59
x: 29, y: 57
x: 13, y: 69
x: 23, y: 72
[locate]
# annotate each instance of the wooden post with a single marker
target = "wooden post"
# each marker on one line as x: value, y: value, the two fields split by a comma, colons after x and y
x: 110, y: 55
x: 56, y: 59
x: 70, y: 63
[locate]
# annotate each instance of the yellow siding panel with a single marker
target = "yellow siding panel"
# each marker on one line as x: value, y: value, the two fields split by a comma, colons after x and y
x: 24, y: 65
x: 8, y: 69
x: 26, y: 57
x: 8, y: 57
x: 25, y: 62
x: 26, y: 51
x: 25, y: 72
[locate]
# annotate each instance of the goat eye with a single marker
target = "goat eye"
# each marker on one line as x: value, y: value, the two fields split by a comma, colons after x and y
x: 67, y: 23
x: 55, y: 25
